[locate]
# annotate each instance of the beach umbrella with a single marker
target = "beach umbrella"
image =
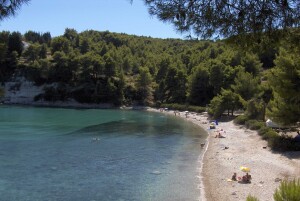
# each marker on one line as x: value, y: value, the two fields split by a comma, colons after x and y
x: 245, y: 169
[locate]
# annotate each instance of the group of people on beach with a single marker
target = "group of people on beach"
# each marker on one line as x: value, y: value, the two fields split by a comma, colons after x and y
x: 244, y: 179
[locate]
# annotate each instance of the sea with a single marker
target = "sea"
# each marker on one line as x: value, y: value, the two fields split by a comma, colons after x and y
x: 59, y: 154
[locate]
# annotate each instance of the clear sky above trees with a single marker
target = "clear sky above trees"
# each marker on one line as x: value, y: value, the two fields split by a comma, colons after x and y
x: 113, y: 15
x: 203, y: 18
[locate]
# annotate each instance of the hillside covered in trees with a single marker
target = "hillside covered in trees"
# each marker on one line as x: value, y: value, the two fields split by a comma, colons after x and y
x: 104, y: 67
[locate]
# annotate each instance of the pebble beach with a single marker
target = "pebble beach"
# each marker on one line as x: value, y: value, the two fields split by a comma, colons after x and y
x: 240, y: 147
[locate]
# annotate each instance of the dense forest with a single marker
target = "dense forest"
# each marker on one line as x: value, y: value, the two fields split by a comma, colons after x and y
x: 103, y: 67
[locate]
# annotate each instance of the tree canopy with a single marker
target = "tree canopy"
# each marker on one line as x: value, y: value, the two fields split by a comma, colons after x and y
x: 9, y: 8
x: 212, y: 18
x: 103, y: 67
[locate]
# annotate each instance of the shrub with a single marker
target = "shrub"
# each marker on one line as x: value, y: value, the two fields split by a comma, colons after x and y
x: 288, y: 190
x: 270, y: 134
x: 273, y: 141
x: 267, y: 133
x: 263, y: 130
x: 251, y: 198
x: 241, y: 119
x: 257, y: 125
x: 254, y: 124
x: 197, y: 109
x: 282, y: 143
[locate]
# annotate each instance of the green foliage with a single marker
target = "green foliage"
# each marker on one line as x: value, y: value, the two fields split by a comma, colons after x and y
x: 72, y: 36
x: 90, y: 66
x: 251, y: 198
x: 227, y: 100
x: 3, y: 50
x: 200, y: 91
x: 163, y: 65
x: 251, y: 64
x: 15, y: 43
x: 267, y: 133
x: 251, y: 123
x: 61, y: 44
x: 43, y: 52
x: 217, y: 77
x: 209, y: 18
x: 216, y: 107
x: 144, y: 88
x: 283, y: 143
x: 246, y: 85
x: 277, y: 142
x: 288, y: 190
x: 254, y: 124
x: 241, y: 119
x: 35, y: 37
x: 175, y: 85
x: 84, y: 46
x: 32, y: 53
x: 197, y: 109
x: 104, y: 67
x: 61, y: 71
x: 266, y: 95
x: 255, y: 109
x: 284, y: 79
x: 110, y: 64
x: 130, y: 94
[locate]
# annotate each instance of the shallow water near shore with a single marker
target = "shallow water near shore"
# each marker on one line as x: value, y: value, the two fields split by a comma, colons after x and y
x: 92, y: 154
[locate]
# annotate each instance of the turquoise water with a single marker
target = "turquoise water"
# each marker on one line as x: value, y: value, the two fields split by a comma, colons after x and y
x: 91, y: 154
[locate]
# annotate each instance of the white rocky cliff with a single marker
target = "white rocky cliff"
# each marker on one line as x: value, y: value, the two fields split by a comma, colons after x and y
x: 20, y: 91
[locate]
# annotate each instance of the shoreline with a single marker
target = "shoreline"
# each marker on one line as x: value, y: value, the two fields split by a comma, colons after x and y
x: 72, y: 105
x: 240, y: 147
x: 199, y: 120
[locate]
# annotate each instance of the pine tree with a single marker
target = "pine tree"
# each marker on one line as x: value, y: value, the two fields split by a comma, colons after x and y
x: 284, y: 79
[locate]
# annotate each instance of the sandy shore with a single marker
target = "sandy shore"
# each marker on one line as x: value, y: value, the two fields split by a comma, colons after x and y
x: 241, y: 147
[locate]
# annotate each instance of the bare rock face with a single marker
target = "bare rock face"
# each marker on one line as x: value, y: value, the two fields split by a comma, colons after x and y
x: 20, y: 91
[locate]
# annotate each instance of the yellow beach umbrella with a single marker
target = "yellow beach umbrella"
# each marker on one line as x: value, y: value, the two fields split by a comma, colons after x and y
x: 245, y: 169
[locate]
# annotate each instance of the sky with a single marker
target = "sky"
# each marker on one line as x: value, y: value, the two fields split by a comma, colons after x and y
x: 118, y: 16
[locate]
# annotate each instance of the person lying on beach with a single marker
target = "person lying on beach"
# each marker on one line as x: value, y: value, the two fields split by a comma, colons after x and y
x: 219, y: 135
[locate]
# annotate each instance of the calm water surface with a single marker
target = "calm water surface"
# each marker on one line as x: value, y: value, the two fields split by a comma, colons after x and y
x: 52, y: 154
